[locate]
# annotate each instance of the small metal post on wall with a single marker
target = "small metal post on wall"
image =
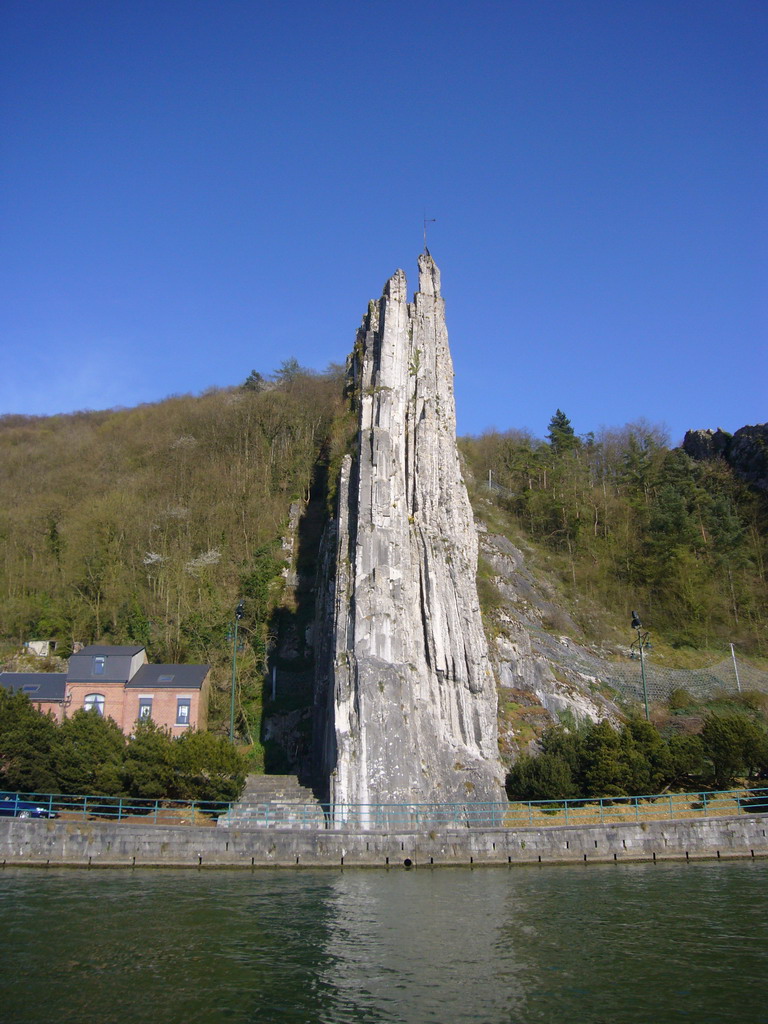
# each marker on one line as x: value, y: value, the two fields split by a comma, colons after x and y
x: 239, y: 611
x: 735, y: 668
x: 642, y: 640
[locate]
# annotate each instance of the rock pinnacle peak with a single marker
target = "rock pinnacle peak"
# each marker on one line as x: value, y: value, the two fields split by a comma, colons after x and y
x: 405, y: 694
x: 429, y: 275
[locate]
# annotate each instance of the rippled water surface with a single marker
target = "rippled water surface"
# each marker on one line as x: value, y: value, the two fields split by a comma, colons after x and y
x: 615, y: 944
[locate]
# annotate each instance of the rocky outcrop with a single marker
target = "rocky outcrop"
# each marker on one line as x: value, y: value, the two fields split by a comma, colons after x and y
x: 706, y: 444
x: 748, y: 454
x: 405, y: 693
x: 544, y: 676
x: 746, y: 451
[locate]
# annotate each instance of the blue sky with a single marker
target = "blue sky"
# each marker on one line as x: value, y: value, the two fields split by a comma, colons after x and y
x: 192, y: 189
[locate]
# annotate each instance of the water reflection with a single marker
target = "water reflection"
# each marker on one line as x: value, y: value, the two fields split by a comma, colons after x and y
x: 415, y: 946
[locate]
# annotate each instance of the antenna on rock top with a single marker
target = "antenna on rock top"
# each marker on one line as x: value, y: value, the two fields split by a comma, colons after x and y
x: 431, y: 220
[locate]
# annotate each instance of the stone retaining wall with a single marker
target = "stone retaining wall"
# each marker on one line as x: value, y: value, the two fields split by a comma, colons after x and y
x: 126, y: 844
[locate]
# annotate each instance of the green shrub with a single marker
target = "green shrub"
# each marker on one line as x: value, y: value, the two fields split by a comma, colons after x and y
x: 88, y: 755
x: 207, y: 767
x: 546, y: 777
x: 596, y: 760
x: 679, y: 700
x: 27, y: 739
x: 734, y: 746
x: 148, y: 765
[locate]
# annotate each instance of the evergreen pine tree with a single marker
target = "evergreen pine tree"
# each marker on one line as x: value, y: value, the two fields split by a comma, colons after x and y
x: 562, y: 436
x: 254, y: 382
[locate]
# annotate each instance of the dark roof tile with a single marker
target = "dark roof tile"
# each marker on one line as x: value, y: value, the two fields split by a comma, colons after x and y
x: 37, y: 685
x: 176, y: 677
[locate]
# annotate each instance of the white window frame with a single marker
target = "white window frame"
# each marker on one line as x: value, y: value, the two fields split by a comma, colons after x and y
x: 186, y: 702
x: 95, y: 702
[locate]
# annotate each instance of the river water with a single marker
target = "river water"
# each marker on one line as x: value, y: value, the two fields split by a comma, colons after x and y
x: 614, y: 944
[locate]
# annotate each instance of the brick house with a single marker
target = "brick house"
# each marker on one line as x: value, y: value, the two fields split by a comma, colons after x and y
x: 119, y: 683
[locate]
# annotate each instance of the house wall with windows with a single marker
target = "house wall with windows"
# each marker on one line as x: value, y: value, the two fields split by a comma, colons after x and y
x: 174, y: 696
x: 106, y: 698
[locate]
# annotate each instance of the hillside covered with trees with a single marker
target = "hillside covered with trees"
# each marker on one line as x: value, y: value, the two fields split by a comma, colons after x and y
x: 149, y: 525
x: 629, y: 522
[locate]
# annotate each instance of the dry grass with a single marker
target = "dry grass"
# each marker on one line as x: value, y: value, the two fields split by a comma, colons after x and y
x: 173, y: 816
x: 663, y: 808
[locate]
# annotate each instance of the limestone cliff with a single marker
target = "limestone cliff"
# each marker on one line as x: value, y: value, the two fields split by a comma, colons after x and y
x: 405, y: 693
x: 746, y: 451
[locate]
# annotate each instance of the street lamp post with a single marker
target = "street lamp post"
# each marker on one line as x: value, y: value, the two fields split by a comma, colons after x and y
x: 239, y: 611
x: 642, y: 640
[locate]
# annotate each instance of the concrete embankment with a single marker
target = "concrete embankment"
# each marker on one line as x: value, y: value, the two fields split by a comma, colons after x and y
x: 126, y: 844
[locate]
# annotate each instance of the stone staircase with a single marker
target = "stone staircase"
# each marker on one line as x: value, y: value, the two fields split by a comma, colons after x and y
x: 274, y: 801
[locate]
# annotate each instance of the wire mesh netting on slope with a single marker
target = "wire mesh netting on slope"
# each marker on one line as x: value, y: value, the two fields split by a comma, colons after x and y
x: 699, y: 682
x: 626, y: 676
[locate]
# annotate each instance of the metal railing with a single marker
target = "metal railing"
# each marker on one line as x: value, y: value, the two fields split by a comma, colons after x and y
x: 416, y: 817
x: 652, y: 807
x: 387, y: 817
x: 110, y: 808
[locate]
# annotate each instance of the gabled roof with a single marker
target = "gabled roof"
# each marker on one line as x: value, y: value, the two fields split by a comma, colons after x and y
x: 47, y: 686
x: 104, y: 650
x: 174, y: 677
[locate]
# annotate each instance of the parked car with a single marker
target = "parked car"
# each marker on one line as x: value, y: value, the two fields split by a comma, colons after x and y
x: 12, y: 806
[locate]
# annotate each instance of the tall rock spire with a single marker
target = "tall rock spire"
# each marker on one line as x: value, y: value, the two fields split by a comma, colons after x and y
x: 405, y: 690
